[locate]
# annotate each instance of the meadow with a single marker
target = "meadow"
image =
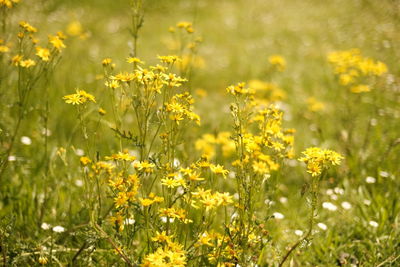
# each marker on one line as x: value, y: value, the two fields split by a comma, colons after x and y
x: 199, y: 133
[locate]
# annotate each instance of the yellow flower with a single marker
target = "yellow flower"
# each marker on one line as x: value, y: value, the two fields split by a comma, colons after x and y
x: 169, y: 59
x: 134, y: 60
x: 278, y: 62
x: 360, y: 88
x: 27, y: 27
x: 27, y: 63
x: 161, y: 237
x: 121, y: 157
x: 219, y: 169
x: 318, y: 159
x: 85, y: 161
x: 314, y: 105
x: 4, y: 49
x: 106, y: 61
x: 146, y: 202
x: 144, y: 166
x: 57, y: 42
x: 121, y: 200
x: 74, y: 28
x: 80, y: 97
x: 43, y: 53
x: 170, y: 182
x: 43, y: 260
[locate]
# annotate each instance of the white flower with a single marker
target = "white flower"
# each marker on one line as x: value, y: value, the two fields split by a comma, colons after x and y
x: 58, y: 229
x: 384, y: 174
x: 232, y: 174
x: 329, y: 206
x: 164, y: 219
x: 298, y: 232
x: 46, y: 132
x: 180, y: 191
x: 278, y: 215
x: 334, y: 197
x: 329, y: 192
x: 370, y: 180
x: 79, y: 183
x: 79, y: 152
x: 373, y: 224
x: 26, y: 140
x: 322, y: 226
x: 12, y: 158
x: 346, y: 205
x: 177, y: 163
x: 367, y: 202
x: 45, y: 226
x: 129, y: 221
x: 339, y: 191
x: 283, y: 200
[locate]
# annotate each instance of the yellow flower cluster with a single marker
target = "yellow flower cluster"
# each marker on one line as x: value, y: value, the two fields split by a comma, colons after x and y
x: 152, y: 198
x: 239, y: 89
x: 266, y: 92
x: 180, y: 107
x: 43, y: 53
x: 8, y: 3
x: 277, y: 62
x: 315, y: 105
x: 185, y: 25
x: 210, y: 200
x: 208, y: 144
x: 173, y: 213
x: 318, y: 159
x: 271, y: 138
x: 171, y: 255
x: 353, y: 69
x: 80, y: 97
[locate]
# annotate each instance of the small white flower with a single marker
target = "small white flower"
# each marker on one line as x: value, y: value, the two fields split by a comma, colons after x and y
x: 329, y: 206
x: 129, y: 221
x: 46, y: 132
x: 79, y: 152
x: 278, y: 215
x: 374, y: 122
x: 79, y: 183
x: 298, y: 232
x: 367, y: 202
x: 329, y: 192
x: 164, y: 219
x: 26, y: 140
x: 292, y: 163
x: 283, y: 200
x: 322, y: 226
x: 339, y: 191
x: 177, y: 163
x: 334, y: 197
x: 58, y: 229
x: 236, y: 196
x: 346, y: 205
x: 373, y: 224
x: 180, y: 191
x: 12, y: 158
x: 370, y: 180
x: 384, y: 174
x: 45, y: 226
x: 232, y: 174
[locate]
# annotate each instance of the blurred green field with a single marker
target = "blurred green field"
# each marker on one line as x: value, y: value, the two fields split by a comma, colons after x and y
x: 360, y: 226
